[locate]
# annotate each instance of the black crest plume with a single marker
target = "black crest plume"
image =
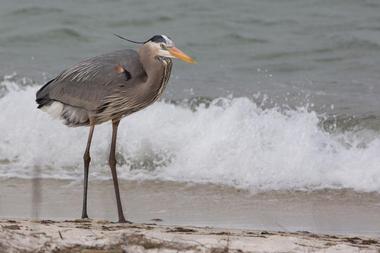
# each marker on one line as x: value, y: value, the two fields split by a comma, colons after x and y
x: 133, y: 41
x: 155, y: 38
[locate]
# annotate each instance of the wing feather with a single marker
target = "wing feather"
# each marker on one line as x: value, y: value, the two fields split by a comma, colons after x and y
x: 88, y: 83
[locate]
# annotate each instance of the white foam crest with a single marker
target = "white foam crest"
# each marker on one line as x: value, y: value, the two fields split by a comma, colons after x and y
x: 230, y: 142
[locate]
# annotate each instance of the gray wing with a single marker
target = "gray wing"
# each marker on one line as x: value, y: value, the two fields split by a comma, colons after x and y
x: 86, y: 84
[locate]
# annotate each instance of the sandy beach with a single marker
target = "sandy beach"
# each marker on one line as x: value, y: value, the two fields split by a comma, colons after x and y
x: 105, y: 237
x: 169, y: 203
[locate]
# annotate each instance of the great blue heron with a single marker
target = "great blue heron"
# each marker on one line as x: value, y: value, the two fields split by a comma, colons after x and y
x: 110, y: 87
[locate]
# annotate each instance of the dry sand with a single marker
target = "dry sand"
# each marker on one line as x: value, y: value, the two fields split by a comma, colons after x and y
x: 101, y: 236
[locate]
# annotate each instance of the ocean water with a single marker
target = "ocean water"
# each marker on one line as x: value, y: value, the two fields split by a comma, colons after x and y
x: 284, y: 97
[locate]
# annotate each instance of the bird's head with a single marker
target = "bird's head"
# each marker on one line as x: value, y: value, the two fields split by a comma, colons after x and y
x: 164, y: 47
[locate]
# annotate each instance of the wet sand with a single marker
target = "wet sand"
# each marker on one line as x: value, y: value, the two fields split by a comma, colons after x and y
x: 331, y: 212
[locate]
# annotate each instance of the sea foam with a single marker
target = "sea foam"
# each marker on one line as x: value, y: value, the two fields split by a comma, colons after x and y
x: 231, y: 142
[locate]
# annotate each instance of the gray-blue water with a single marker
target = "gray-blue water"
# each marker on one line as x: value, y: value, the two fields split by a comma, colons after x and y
x: 325, y: 50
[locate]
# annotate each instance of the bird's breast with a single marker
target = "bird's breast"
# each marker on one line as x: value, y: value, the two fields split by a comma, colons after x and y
x: 138, y: 96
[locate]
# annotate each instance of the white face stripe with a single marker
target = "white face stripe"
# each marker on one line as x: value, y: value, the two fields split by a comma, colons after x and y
x: 169, y: 42
x: 165, y: 37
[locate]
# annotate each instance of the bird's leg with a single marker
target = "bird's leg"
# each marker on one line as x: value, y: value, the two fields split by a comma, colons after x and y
x: 112, y: 163
x: 86, y: 159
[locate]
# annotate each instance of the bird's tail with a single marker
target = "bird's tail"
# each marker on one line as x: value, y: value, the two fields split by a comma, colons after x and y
x: 42, y: 96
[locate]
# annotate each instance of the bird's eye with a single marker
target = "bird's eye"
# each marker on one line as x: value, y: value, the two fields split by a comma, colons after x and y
x: 163, y: 46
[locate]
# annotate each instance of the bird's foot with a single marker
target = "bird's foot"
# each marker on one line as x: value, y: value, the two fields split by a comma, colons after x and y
x: 85, y: 217
x: 123, y: 220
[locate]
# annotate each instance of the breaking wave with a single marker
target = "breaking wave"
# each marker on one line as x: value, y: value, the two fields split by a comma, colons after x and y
x: 228, y: 141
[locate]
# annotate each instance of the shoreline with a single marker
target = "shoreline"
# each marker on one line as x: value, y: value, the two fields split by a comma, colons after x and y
x: 106, y: 237
x: 327, y: 212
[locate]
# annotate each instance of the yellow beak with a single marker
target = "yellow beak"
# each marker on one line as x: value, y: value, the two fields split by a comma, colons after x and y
x: 181, y: 55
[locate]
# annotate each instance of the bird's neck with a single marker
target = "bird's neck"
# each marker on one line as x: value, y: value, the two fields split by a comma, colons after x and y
x: 153, y: 67
x: 158, y: 73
